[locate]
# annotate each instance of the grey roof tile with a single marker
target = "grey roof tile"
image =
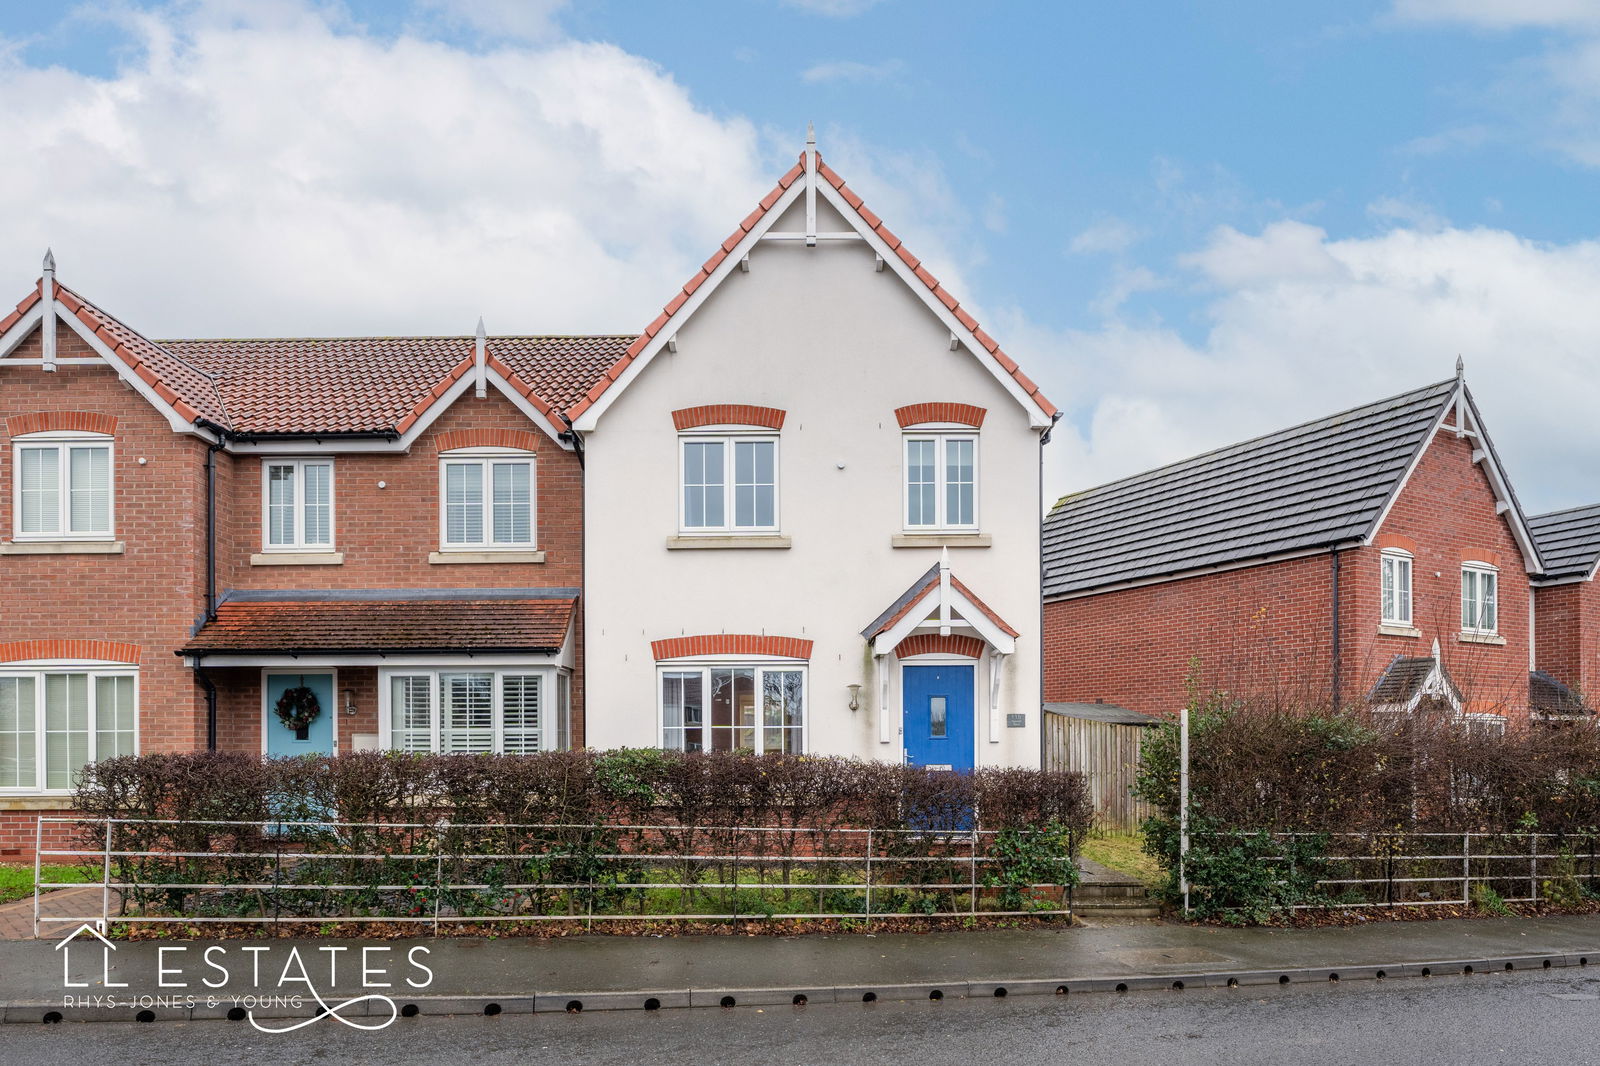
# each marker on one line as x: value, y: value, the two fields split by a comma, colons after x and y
x: 1569, y: 541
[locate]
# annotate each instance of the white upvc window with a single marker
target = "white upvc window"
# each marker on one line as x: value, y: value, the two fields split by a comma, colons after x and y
x: 487, y: 500
x: 757, y: 707
x: 1480, y: 595
x: 728, y: 484
x: 940, y: 487
x: 62, y: 486
x: 56, y: 720
x: 297, y: 505
x: 503, y: 710
x: 1396, y: 580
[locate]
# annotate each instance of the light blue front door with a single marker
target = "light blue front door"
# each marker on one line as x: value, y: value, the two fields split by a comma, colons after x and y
x: 938, y: 722
x: 315, y: 739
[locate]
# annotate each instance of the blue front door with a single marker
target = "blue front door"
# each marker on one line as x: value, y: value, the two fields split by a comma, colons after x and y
x: 315, y: 739
x: 938, y: 720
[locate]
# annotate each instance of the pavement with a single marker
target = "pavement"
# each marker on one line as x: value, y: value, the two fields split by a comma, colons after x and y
x: 205, y: 979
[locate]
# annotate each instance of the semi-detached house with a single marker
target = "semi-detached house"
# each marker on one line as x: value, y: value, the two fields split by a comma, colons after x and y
x: 798, y: 513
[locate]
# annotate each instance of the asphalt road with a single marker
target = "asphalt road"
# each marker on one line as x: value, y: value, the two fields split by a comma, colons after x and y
x: 1549, y: 1016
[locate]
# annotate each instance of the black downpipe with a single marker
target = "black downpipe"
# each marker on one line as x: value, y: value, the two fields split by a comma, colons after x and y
x: 1336, y: 663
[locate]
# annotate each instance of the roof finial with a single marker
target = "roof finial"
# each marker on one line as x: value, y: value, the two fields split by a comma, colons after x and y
x: 811, y: 137
x: 481, y: 332
x: 49, y: 262
x: 480, y: 361
x: 1461, y: 369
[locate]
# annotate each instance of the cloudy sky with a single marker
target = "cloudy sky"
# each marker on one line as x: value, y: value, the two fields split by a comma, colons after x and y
x: 1190, y: 222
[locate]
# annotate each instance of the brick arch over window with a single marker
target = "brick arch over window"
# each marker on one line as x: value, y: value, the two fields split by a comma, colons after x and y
x: 934, y: 644
x: 62, y: 422
x: 962, y: 414
x: 1482, y: 555
x: 730, y: 644
x: 99, y: 650
x: 1397, y: 541
x: 521, y: 439
x: 728, y: 414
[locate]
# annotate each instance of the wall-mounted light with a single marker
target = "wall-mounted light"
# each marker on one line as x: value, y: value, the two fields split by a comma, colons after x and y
x: 349, y: 701
x: 855, y: 697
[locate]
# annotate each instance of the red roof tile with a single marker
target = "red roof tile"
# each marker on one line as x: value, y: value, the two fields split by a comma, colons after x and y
x: 343, y: 626
x: 674, y: 305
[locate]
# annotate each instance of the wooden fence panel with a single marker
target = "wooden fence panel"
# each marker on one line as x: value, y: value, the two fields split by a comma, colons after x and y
x: 1107, y: 754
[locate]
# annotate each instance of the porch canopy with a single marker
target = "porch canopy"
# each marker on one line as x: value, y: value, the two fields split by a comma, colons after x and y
x: 259, y: 625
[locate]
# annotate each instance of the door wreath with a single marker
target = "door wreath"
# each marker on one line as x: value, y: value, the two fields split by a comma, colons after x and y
x: 298, y: 707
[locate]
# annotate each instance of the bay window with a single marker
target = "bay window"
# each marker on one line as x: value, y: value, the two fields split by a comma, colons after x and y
x: 1396, y: 582
x: 728, y: 484
x: 486, y: 500
x: 733, y: 707
x: 941, y: 481
x: 298, y: 502
x: 54, y: 722
x: 62, y: 487
x: 470, y: 710
x: 1480, y: 592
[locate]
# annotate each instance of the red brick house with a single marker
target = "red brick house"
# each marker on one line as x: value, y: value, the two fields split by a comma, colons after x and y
x: 1378, y: 554
x: 190, y: 528
x: 1566, y: 600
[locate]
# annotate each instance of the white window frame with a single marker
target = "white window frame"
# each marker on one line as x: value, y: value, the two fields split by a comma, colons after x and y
x: 941, y: 437
x: 1480, y: 569
x: 760, y: 666
x: 38, y: 672
x: 549, y: 711
x: 729, y: 441
x: 1395, y: 557
x: 299, y: 543
x: 63, y: 442
x: 486, y: 458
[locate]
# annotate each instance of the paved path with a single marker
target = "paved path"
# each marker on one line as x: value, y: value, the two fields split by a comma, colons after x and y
x: 16, y: 919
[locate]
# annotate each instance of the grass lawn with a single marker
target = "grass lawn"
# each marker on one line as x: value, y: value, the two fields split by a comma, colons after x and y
x: 16, y: 881
x: 1125, y: 852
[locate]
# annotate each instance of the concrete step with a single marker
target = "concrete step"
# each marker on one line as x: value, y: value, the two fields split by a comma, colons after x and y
x: 1114, y: 908
x: 1110, y: 890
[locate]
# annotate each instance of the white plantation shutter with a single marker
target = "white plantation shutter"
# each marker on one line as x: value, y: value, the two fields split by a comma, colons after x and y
x: 89, y: 486
x: 463, y: 503
x: 18, y: 739
x: 40, y: 476
x: 521, y: 719
x: 412, y: 706
x: 513, y: 497
x: 280, y: 505
x: 467, y: 713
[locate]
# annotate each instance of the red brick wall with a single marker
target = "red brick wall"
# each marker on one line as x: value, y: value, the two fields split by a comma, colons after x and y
x: 1567, y: 638
x: 1269, y: 627
x: 19, y: 835
x: 151, y: 594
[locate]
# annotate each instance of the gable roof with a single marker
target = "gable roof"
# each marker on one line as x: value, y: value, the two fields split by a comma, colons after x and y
x: 1308, y: 488
x: 1569, y: 541
x: 1405, y: 677
x: 1552, y: 698
x: 869, y: 225
x: 360, y: 385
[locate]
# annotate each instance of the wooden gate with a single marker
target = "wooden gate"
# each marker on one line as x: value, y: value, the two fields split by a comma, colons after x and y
x: 1101, y: 742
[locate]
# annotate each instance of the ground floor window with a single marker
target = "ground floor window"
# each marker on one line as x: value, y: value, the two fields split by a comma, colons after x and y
x: 54, y: 722
x: 507, y: 710
x: 733, y: 707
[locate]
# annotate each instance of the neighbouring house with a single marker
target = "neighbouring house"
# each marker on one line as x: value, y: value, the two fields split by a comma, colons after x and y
x: 1566, y: 600
x: 1377, y: 555
x: 807, y: 494
x: 812, y: 506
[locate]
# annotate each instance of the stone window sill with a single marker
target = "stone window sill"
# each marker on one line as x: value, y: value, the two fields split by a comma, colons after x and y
x: 297, y: 559
x: 751, y: 540
x: 941, y: 540
x: 62, y: 547
x: 1481, y: 638
x: 1389, y: 630
x: 486, y: 557
x: 36, y: 803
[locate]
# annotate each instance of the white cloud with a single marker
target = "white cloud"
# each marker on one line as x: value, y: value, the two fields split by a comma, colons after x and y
x: 270, y: 169
x: 521, y: 20
x: 1501, y: 14
x: 849, y: 71
x: 833, y: 8
x: 1301, y: 325
x: 1106, y: 235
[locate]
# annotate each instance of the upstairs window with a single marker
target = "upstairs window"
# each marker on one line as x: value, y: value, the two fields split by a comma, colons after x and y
x: 1396, y: 566
x: 941, y: 481
x: 1480, y: 595
x: 486, y: 500
x: 62, y: 487
x: 729, y: 484
x: 298, y: 495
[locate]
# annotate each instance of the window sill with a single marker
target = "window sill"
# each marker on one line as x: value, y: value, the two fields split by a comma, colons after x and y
x: 1388, y: 629
x: 940, y: 540
x: 1480, y: 638
x: 297, y: 559
x: 36, y: 802
x: 748, y: 540
x: 61, y: 547
x: 482, y: 557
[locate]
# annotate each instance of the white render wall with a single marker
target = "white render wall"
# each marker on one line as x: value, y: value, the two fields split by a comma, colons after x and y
x: 839, y: 346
